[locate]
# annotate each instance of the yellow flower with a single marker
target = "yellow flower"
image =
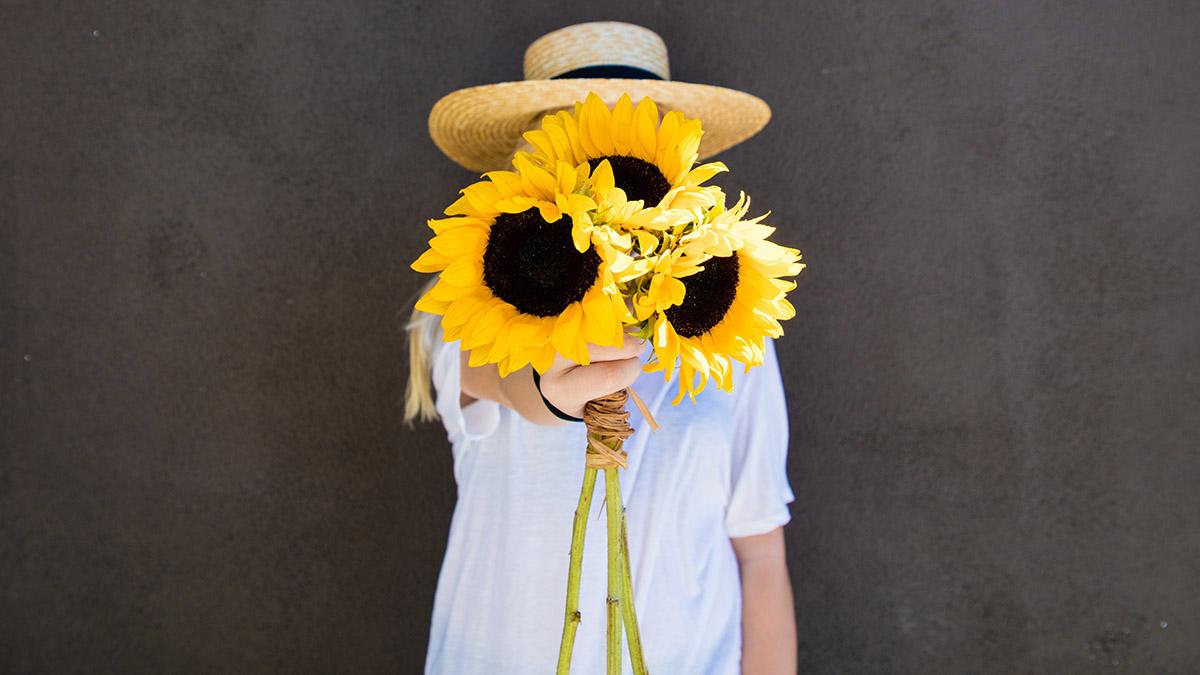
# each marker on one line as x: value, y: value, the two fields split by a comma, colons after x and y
x: 514, y: 284
x: 662, y: 286
x: 729, y: 305
x: 607, y: 224
x: 653, y: 162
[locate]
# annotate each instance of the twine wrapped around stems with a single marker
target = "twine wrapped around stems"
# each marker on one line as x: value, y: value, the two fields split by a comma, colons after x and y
x: 607, y: 423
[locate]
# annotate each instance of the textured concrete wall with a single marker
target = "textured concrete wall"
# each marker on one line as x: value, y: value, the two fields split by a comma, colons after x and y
x: 207, y: 211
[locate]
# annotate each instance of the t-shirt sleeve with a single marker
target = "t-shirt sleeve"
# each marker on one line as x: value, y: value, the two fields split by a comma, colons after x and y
x: 759, y: 489
x: 472, y: 422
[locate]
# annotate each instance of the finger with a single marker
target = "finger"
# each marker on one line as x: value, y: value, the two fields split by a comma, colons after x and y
x: 630, y: 348
x: 582, y: 384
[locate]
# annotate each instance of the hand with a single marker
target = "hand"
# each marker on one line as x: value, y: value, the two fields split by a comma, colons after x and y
x: 569, y: 386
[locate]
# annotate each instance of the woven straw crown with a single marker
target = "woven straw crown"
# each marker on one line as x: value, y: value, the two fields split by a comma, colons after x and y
x: 597, y: 43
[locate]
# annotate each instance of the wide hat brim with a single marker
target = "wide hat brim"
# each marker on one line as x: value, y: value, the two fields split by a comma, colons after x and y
x: 479, y: 127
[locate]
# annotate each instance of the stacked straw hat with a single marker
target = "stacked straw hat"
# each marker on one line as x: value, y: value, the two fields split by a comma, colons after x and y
x: 480, y: 127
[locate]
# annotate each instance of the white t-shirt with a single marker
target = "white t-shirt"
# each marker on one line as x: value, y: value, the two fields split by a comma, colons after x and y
x: 715, y: 470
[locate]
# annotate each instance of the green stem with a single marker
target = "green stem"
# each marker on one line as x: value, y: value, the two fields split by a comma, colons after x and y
x: 629, y: 613
x: 612, y: 491
x: 572, y: 617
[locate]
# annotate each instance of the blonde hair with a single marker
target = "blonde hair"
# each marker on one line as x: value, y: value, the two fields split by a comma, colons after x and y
x: 418, y: 393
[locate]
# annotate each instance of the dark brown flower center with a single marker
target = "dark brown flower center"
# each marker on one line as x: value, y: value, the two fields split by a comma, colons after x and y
x: 534, y: 266
x: 707, y: 297
x: 637, y: 177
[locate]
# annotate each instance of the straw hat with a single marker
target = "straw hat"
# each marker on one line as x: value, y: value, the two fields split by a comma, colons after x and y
x: 479, y: 127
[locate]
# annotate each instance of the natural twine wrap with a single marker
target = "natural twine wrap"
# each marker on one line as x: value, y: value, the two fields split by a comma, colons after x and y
x: 607, y: 423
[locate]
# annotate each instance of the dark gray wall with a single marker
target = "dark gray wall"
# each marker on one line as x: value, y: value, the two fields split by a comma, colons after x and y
x: 208, y: 210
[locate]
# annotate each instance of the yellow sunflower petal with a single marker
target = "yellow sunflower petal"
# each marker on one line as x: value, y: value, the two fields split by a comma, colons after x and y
x: 463, y: 272
x: 461, y: 241
x: 448, y: 292
x: 599, y: 124
x: 667, y: 135
x: 570, y: 127
x: 536, y: 182
x: 507, y: 183
x: 542, y: 357
x: 603, y: 181
x: 482, y: 197
x: 622, y: 125
x: 583, y: 134
x: 430, y: 261
x: 540, y: 139
x: 550, y: 211
x: 644, y: 141
x: 704, y: 172
x: 460, y: 312
x: 581, y: 232
x: 489, y: 325
x: 565, y: 176
x: 431, y: 305
x: 599, y: 318
x: 686, y: 375
x: 689, y: 145
x: 566, y: 337
x: 559, y: 141
x: 516, y: 204
x: 643, y: 307
x: 461, y: 206
x: 439, y: 225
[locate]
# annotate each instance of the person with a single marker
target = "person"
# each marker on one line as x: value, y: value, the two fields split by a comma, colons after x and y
x: 706, y: 495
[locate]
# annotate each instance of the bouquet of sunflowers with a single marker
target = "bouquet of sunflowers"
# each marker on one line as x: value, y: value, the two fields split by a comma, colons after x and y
x: 608, y: 226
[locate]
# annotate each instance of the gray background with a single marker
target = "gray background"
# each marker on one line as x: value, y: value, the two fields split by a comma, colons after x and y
x: 208, y: 210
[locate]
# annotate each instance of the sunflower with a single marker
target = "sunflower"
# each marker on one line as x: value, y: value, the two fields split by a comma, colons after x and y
x: 714, y: 297
x: 653, y: 163
x: 520, y: 278
x: 609, y: 208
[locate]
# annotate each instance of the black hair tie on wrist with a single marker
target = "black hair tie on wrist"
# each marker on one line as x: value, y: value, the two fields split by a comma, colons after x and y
x: 537, y: 384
